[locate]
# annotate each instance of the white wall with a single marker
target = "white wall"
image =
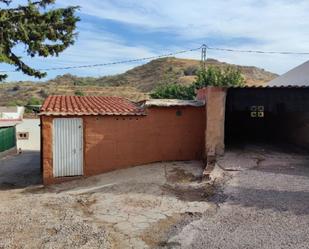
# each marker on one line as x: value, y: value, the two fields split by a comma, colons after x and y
x: 15, y: 113
x: 33, y: 127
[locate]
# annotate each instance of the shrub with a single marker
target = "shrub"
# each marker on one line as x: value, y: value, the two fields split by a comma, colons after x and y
x: 173, y: 91
x: 213, y: 76
x: 16, y: 88
x: 79, y: 93
x: 189, y: 71
x: 34, y: 101
x: 15, y: 103
x: 43, y: 93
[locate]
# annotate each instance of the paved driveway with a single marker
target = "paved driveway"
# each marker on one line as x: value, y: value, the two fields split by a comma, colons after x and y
x: 264, y: 205
x: 20, y: 171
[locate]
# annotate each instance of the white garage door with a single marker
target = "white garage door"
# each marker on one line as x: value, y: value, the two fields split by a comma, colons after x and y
x: 67, y: 147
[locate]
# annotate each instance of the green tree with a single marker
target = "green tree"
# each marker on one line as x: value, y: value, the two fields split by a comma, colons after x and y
x: 79, y: 93
x: 34, y: 101
x: 173, y: 91
x: 215, y: 76
x: 212, y: 76
x: 43, y: 31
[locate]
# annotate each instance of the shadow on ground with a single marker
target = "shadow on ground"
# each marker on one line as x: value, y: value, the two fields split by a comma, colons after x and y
x: 296, y: 202
x: 277, y: 178
x: 20, y: 171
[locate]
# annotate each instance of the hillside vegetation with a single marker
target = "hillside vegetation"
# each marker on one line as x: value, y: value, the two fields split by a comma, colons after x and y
x: 134, y: 84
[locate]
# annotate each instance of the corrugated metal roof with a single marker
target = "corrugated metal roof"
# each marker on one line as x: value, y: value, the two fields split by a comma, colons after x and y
x: 172, y: 102
x: 266, y: 86
x: 89, y: 105
x: 298, y: 76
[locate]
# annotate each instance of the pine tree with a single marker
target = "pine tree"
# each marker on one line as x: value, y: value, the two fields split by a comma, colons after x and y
x: 43, y: 31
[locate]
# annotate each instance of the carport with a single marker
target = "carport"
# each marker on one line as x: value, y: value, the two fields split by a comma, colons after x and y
x: 268, y: 115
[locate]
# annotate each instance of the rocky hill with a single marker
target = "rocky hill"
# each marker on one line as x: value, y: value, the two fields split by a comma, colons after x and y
x: 134, y: 84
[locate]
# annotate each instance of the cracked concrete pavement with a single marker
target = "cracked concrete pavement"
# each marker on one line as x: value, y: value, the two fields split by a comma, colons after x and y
x: 265, y: 204
x: 131, y: 208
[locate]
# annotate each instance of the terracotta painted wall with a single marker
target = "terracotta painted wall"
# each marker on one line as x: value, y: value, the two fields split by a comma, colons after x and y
x: 215, y: 108
x: 114, y: 142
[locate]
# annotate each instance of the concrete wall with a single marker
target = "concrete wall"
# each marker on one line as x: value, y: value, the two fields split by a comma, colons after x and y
x: 215, y: 119
x: 215, y: 98
x: 11, y: 113
x: 114, y: 142
x: 32, y: 126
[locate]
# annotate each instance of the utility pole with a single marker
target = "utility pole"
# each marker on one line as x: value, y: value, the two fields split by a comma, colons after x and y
x: 203, y: 56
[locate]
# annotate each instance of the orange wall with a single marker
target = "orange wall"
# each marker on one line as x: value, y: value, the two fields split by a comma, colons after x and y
x: 114, y: 142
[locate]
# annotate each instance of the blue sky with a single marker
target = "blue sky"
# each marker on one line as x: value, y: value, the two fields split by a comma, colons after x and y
x: 112, y: 30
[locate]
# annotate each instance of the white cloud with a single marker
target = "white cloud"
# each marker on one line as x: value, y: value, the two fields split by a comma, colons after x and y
x: 257, y: 19
x: 275, y: 25
x: 90, y: 48
x: 271, y: 25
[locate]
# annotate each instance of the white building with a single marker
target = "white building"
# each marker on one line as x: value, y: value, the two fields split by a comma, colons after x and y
x: 28, y: 135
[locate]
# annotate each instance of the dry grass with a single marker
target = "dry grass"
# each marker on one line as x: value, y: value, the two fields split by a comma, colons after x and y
x: 8, y: 96
x: 134, y: 84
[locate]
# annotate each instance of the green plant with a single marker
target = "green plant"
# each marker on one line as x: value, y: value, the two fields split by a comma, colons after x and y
x: 79, y: 93
x: 43, y: 93
x: 215, y: 76
x: 191, y: 70
x: 16, y: 88
x: 34, y: 101
x: 173, y: 91
x: 15, y: 103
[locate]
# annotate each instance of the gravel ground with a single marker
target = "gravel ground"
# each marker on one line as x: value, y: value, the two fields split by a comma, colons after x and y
x: 265, y: 204
x: 130, y: 208
x: 257, y: 198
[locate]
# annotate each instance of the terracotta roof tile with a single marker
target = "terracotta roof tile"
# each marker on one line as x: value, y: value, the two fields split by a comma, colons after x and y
x: 89, y: 105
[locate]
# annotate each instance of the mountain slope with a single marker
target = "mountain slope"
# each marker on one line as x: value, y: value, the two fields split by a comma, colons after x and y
x: 133, y: 84
x: 167, y: 70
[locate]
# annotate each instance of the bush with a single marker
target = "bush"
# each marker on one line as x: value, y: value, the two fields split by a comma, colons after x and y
x: 189, y: 71
x: 34, y: 101
x: 79, y: 93
x: 173, y: 91
x: 16, y: 88
x: 43, y: 93
x: 213, y: 76
x: 15, y: 103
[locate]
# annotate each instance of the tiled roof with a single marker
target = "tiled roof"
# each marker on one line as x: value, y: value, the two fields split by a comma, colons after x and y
x: 89, y: 105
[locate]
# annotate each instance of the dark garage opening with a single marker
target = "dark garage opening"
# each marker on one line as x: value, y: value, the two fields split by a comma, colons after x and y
x: 271, y: 115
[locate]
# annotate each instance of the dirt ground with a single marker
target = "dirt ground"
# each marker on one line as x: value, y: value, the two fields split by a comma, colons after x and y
x: 258, y: 198
x: 132, y: 208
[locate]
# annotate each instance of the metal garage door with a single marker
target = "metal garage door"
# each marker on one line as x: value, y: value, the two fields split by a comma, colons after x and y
x: 67, y: 147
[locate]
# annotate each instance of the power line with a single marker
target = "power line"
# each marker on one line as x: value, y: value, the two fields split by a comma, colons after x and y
x: 203, y: 59
x: 257, y: 51
x: 112, y: 63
